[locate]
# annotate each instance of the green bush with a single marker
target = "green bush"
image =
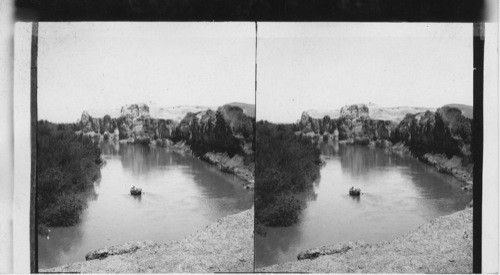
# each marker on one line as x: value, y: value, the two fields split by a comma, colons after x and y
x: 283, y: 211
x: 64, y: 212
x: 67, y: 167
x: 286, y: 165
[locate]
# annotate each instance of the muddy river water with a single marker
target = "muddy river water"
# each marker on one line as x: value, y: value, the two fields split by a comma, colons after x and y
x: 399, y: 194
x: 181, y: 196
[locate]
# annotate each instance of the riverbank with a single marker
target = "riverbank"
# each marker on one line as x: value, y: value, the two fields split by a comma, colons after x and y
x: 232, y: 165
x: 224, y: 246
x: 442, y: 246
x: 454, y: 166
x: 438, y: 137
x: 235, y: 165
x: 221, y: 136
x: 67, y: 167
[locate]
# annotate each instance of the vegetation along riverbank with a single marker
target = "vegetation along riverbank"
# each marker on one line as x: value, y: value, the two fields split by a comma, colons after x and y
x: 287, y: 166
x: 67, y: 167
x: 224, y: 246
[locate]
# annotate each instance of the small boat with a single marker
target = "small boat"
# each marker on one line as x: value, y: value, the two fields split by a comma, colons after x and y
x: 134, y: 191
x: 354, y: 191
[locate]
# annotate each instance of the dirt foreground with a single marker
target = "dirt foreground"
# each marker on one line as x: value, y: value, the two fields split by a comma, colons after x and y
x: 224, y: 246
x: 442, y: 246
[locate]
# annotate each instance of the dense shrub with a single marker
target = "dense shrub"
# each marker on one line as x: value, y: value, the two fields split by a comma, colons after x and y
x: 286, y: 165
x: 283, y: 211
x: 67, y: 166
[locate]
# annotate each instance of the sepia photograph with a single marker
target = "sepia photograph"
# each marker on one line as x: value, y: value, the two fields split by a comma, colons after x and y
x: 144, y: 147
x: 364, y: 156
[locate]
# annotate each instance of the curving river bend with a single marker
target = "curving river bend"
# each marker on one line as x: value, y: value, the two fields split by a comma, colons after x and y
x: 399, y: 194
x: 181, y: 196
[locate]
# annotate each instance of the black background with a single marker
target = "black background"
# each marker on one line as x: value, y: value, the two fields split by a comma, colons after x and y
x: 252, y: 10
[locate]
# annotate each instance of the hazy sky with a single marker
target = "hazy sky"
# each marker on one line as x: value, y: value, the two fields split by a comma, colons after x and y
x: 327, y: 65
x: 300, y: 66
x: 106, y: 65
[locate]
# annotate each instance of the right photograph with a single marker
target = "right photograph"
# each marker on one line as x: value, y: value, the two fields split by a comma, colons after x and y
x: 364, y: 158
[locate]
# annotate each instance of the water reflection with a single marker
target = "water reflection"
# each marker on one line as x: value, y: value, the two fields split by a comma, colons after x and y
x: 110, y: 148
x: 282, y: 245
x: 399, y: 194
x: 330, y: 148
x: 360, y: 162
x: 65, y: 243
x: 181, y: 195
x: 137, y: 198
x: 356, y: 198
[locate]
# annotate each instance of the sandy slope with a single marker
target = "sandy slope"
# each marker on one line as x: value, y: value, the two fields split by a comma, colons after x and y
x: 225, y: 246
x: 442, y: 246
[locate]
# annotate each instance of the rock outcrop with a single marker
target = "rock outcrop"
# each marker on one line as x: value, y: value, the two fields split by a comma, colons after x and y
x: 329, y: 250
x: 105, y: 252
x: 441, y: 138
x: 444, y: 131
x: 353, y: 125
x: 228, y: 130
x: 355, y: 112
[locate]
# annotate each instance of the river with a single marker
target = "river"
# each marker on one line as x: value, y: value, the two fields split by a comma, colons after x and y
x: 399, y: 194
x: 181, y: 196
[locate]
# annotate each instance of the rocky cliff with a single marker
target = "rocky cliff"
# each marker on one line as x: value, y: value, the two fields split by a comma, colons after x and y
x: 395, y: 114
x: 354, y: 125
x: 227, y: 131
x: 441, y: 138
x: 444, y: 131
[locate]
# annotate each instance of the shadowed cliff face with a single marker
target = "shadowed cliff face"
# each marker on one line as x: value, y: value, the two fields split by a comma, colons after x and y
x: 448, y: 130
x: 230, y: 128
x: 444, y: 131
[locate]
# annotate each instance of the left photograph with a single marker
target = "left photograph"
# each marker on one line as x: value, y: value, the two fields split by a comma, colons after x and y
x: 145, y: 147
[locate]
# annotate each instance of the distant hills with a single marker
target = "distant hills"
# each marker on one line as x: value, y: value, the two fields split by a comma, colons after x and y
x: 175, y: 113
x: 395, y: 114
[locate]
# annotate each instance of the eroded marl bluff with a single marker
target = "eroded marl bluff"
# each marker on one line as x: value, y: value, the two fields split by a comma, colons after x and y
x: 441, y: 137
x: 223, y: 137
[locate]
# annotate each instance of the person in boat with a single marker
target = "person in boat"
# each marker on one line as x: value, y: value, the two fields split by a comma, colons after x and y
x: 354, y: 191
